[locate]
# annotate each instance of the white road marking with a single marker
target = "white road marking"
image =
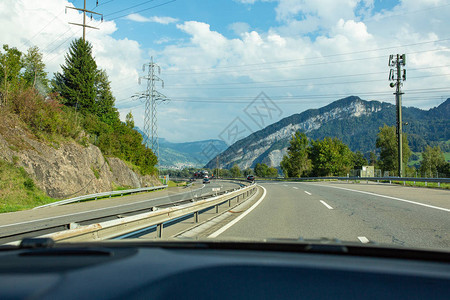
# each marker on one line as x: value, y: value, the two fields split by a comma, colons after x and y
x: 363, y: 239
x: 295, y: 187
x: 324, y: 203
x: 389, y: 197
x: 222, y: 230
x: 308, y: 193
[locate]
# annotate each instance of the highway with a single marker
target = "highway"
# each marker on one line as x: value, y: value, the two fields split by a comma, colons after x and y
x: 89, y: 212
x: 381, y: 213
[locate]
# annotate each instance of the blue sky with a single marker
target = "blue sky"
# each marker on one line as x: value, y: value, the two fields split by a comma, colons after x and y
x: 218, y: 56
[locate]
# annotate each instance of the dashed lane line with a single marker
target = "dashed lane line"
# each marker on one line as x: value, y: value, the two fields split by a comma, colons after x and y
x: 308, y: 193
x: 363, y: 239
x: 389, y: 197
x: 326, y: 204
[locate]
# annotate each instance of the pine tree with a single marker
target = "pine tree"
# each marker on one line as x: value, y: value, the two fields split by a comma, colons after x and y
x: 105, y: 99
x: 77, y: 82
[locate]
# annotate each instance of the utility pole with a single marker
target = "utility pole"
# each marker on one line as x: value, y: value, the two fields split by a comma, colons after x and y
x: 217, y: 165
x: 152, y: 97
x: 396, y: 76
x: 84, y: 10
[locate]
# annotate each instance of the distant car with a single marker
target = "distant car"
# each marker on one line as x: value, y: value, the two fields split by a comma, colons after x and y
x: 206, y: 180
x: 251, y: 178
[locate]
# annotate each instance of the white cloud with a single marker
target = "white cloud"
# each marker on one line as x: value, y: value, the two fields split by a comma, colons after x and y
x: 309, y: 52
x: 239, y: 27
x: 154, y: 19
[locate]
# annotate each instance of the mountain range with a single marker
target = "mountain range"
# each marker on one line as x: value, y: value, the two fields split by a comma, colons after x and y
x: 188, y: 154
x: 353, y: 120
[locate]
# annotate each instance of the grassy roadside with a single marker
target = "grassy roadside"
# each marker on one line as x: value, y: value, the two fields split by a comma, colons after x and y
x: 17, y: 190
x: 176, y: 183
x: 445, y: 186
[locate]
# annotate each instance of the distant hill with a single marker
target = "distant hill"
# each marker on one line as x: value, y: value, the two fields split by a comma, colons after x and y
x: 353, y: 120
x: 188, y: 154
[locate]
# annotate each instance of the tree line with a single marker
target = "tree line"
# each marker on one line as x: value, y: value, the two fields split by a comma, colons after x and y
x: 331, y: 157
x: 77, y: 103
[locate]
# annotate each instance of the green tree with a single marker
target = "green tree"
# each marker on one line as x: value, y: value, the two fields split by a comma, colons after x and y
x: 77, y: 82
x: 105, y: 99
x: 373, y: 158
x: 247, y: 172
x: 296, y: 162
x: 11, y: 64
x: 387, y: 142
x: 129, y: 120
x: 330, y: 157
x: 261, y: 170
x: 272, y: 172
x: 432, y: 160
x: 34, y: 73
x: 235, y: 171
x: 359, y: 160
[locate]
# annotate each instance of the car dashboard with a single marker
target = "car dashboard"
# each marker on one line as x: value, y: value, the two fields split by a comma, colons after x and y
x: 201, y: 270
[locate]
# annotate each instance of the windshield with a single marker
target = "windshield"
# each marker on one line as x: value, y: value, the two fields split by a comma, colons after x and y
x: 309, y: 120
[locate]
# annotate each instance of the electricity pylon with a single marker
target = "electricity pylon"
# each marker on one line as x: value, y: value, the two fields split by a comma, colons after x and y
x: 152, y: 97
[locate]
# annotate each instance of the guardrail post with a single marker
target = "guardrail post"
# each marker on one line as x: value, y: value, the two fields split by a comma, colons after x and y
x: 404, y: 182
x: 196, y: 217
x: 426, y: 183
x: 439, y: 184
x: 229, y: 203
x: 159, y: 230
x: 390, y: 181
x: 217, y: 209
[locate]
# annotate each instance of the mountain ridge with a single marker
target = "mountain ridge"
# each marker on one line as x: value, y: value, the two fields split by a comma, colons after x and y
x: 351, y: 119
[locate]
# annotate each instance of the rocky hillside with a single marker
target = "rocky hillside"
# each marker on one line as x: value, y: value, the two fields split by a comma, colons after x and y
x: 356, y: 122
x: 64, y: 169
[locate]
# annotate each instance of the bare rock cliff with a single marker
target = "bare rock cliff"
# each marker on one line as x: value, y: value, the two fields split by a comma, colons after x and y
x: 68, y: 169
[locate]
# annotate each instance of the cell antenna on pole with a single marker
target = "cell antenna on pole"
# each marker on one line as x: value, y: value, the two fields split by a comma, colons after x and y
x: 396, y: 76
x: 84, y: 10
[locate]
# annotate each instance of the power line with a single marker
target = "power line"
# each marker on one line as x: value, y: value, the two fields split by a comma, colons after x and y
x: 322, y: 56
x: 159, y: 5
x: 264, y: 68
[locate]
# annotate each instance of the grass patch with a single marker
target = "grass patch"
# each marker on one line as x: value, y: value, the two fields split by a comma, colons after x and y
x: 96, y: 172
x: 176, y: 183
x: 17, y: 190
x: 445, y: 186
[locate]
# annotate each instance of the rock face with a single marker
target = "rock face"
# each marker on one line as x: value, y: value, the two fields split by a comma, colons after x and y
x: 66, y: 169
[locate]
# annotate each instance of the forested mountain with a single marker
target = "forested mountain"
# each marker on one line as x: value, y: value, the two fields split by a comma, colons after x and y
x: 354, y: 121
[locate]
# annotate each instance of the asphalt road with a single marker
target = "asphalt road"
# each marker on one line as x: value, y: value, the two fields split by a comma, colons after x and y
x: 385, y: 214
x: 49, y: 217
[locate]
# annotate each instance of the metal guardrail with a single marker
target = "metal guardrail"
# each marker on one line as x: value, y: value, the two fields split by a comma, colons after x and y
x: 114, y: 228
x: 102, y: 195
